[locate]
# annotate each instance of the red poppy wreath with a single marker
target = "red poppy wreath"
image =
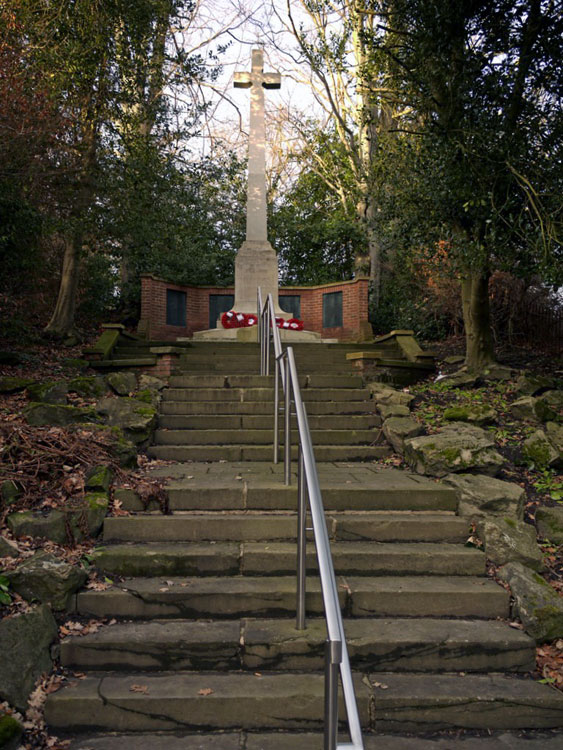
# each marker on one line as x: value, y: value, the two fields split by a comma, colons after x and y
x: 233, y: 319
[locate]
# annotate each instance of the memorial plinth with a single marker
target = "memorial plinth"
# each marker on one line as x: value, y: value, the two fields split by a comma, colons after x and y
x: 256, y: 264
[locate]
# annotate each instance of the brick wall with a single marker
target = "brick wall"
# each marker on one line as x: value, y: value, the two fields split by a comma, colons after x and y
x: 153, y: 307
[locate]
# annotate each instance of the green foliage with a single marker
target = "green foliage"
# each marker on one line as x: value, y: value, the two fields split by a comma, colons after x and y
x: 315, y: 233
x: 549, y: 483
x: 5, y: 596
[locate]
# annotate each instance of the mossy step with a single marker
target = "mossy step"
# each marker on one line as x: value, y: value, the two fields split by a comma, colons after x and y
x: 278, y: 558
x: 263, y: 394
x: 265, y: 422
x: 263, y: 452
x: 395, y: 645
x: 263, y: 407
x: 409, y: 703
x: 259, y: 381
x: 265, y: 596
x: 262, y: 437
x: 252, y: 525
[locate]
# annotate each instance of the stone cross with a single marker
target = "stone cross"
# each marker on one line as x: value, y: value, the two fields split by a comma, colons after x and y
x: 257, y: 81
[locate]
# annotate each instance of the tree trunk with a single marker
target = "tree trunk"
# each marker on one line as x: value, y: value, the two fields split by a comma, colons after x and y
x: 479, y: 347
x: 62, y: 320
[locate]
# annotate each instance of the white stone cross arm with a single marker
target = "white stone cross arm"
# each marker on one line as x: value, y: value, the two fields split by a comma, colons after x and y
x: 245, y: 80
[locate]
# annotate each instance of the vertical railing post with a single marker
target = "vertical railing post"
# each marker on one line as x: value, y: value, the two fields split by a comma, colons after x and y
x: 277, y: 365
x: 332, y: 661
x: 287, y: 421
x: 301, y: 543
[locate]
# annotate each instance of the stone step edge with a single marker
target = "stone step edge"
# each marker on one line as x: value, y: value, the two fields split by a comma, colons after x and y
x: 499, y: 740
x: 386, y: 701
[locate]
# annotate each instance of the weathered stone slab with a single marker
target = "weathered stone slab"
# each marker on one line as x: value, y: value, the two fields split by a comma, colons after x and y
x: 415, y: 703
x: 59, y: 415
x: 536, y: 603
x: 8, y: 549
x: 549, y: 522
x: 539, y: 450
x: 54, y: 392
x: 87, y: 386
x: 398, y: 429
x: 123, y: 383
x: 529, y: 384
x: 385, y: 395
x: 156, y: 645
x: 532, y: 409
x: 25, y: 639
x: 47, y: 579
x: 481, y: 496
x: 507, y: 540
x: 403, y: 645
x: 432, y: 596
x: 99, y: 479
x: 9, y: 384
x: 175, y: 559
x: 175, y: 701
x: 457, y: 448
x: 201, y: 597
x: 479, y: 414
x: 136, y: 418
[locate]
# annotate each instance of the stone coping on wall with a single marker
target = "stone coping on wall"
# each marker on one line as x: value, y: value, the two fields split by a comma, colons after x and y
x: 231, y: 286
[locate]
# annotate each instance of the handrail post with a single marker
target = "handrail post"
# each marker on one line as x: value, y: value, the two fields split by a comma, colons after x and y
x: 301, y: 543
x: 277, y: 366
x: 333, y: 652
x: 287, y: 420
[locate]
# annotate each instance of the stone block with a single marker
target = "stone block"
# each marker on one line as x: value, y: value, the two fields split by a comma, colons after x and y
x: 536, y: 603
x: 457, y: 448
x: 46, y: 579
x: 481, y: 496
x: 506, y: 540
x: 26, y: 638
x: 549, y: 523
x: 398, y: 429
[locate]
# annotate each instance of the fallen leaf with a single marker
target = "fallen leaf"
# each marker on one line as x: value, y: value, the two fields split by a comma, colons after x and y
x: 139, y: 689
x: 204, y: 691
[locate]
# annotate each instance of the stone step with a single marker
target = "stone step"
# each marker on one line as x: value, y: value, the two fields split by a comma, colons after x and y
x: 278, y: 558
x: 500, y: 740
x: 349, y: 486
x: 263, y: 407
x: 390, y: 596
x: 403, y: 645
x: 262, y: 394
x: 263, y: 452
x: 410, y: 703
x: 261, y: 381
x: 265, y: 422
x: 251, y: 367
x: 263, y: 526
x: 263, y: 437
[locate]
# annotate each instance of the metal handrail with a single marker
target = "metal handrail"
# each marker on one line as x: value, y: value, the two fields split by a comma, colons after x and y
x: 336, y: 652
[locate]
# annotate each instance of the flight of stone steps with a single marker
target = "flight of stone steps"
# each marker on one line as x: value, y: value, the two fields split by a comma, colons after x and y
x: 205, y: 649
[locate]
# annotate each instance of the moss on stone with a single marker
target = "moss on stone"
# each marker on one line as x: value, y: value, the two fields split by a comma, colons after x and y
x: 87, y: 385
x: 549, y: 618
x: 537, y: 452
x: 457, y: 414
x: 10, y: 730
x: 147, y: 396
x: 510, y: 522
x: 451, y: 454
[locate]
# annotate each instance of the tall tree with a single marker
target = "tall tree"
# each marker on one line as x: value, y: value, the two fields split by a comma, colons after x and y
x: 334, y: 43
x: 483, y: 85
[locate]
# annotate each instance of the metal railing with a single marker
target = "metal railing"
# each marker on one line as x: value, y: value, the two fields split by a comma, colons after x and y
x: 336, y: 651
